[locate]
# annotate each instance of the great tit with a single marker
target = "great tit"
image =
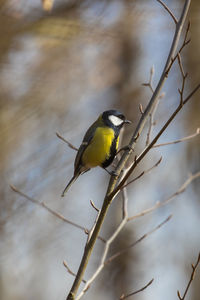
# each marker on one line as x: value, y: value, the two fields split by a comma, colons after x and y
x: 99, y: 145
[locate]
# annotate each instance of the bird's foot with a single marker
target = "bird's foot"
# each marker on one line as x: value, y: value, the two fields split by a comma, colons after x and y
x: 111, y: 173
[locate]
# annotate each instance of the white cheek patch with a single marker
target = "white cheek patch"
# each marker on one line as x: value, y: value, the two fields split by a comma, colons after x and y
x: 115, y: 120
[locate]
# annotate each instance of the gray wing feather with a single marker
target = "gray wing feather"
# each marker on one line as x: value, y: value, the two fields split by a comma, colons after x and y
x: 86, y: 141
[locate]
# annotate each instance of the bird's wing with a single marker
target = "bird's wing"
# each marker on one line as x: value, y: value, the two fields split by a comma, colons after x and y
x: 86, y: 141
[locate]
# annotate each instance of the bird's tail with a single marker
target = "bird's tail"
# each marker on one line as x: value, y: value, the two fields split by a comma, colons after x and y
x: 69, y: 184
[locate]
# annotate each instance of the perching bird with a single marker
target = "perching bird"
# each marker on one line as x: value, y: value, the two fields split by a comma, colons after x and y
x: 99, y: 145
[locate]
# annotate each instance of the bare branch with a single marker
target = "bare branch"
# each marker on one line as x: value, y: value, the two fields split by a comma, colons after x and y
x: 181, y: 65
x: 191, y: 94
x: 119, y: 253
x: 169, y: 11
x: 152, y: 122
x: 186, y: 138
x: 93, y: 205
x: 138, y: 291
x: 194, y: 267
x: 124, y: 204
x: 92, y: 229
x: 151, y: 115
x: 185, y: 43
x: 141, y: 109
x: 51, y: 211
x: 184, y: 76
x: 150, y: 82
x: 68, y: 143
x: 70, y: 271
x: 143, y: 173
x: 160, y: 204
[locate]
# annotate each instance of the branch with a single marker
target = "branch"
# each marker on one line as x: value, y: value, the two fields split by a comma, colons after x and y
x: 194, y: 267
x: 169, y: 11
x: 138, y: 291
x: 68, y: 143
x: 150, y: 82
x: 160, y: 204
x: 151, y: 115
x: 70, y: 271
x: 94, y: 206
x: 186, y: 138
x: 143, y: 173
x: 119, y: 253
x: 51, y: 211
x: 185, y: 43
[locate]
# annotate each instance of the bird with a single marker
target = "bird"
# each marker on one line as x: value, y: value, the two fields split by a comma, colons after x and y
x: 99, y: 145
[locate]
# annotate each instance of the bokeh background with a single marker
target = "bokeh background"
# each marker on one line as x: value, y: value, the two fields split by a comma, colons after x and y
x: 58, y: 70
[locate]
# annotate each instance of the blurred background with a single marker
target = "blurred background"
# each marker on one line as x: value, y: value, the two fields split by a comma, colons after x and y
x: 59, y: 69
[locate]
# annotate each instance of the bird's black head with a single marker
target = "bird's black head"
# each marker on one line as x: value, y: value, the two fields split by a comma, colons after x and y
x: 114, y: 118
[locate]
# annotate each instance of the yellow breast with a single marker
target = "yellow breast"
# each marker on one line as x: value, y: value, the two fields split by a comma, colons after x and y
x: 99, y: 149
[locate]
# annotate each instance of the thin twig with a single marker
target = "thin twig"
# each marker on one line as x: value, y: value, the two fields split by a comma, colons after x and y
x: 181, y: 65
x: 143, y: 173
x: 93, y: 205
x: 119, y: 253
x: 160, y: 204
x: 184, y: 76
x: 152, y: 123
x: 150, y: 82
x: 51, y: 211
x: 185, y: 43
x: 186, y: 138
x: 124, y: 205
x: 141, y: 109
x: 169, y: 11
x: 70, y: 271
x: 93, y: 226
x: 70, y: 145
x: 194, y: 267
x: 138, y: 291
x: 151, y: 115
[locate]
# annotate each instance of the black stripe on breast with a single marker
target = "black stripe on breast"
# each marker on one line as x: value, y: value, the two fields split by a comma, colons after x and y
x: 112, y: 154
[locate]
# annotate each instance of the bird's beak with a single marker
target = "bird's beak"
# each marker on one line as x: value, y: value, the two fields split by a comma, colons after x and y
x: 127, y: 122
